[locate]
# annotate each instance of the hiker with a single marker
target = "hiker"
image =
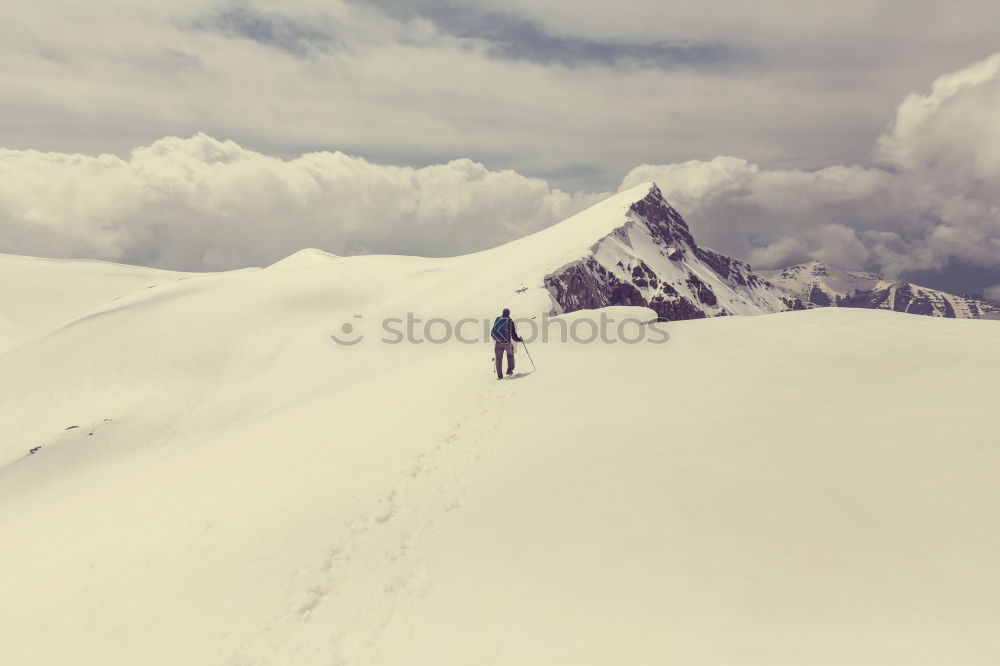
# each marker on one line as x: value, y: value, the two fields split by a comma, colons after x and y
x: 504, y: 336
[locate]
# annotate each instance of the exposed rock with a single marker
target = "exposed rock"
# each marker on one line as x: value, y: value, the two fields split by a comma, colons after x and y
x: 674, y: 310
x: 667, y: 226
x: 818, y: 297
x: 701, y: 290
x: 626, y: 294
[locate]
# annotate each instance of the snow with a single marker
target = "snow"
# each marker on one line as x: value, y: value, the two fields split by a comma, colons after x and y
x: 40, y: 294
x: 812, y: 487
x: 305, y: 258
x: 802, y: 277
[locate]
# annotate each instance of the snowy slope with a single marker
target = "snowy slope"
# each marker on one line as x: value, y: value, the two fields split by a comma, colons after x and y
x: 818, y: 285
x: 37, y: 295
x: 240, y: 489
x: 229, y: 339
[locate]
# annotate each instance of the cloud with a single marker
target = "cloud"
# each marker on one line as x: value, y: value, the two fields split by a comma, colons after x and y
x: 783, y: 252
x: 992, y: 293
x: 200, y: 203
x: 695, y: 184
x: 574, y: 92
x: 929, y: 199
x: 295, y: 35
x: 832, y: 244
x: 949, y: 124
x: 514, y: 37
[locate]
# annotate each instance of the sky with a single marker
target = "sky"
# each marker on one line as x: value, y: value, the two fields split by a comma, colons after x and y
x: 206, y: 135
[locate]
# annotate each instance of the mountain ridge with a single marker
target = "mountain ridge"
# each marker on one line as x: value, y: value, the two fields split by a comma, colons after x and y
x: 816, y: 284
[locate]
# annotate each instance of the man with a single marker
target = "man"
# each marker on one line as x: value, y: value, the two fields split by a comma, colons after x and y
x: 504, y: 336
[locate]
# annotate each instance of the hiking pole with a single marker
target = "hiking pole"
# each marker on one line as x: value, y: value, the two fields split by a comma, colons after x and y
x: 533, y: 368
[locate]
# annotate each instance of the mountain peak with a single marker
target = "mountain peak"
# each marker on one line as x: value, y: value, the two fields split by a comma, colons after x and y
x: 665, y: 223
x: 646, y: 256
x: 813, y: 267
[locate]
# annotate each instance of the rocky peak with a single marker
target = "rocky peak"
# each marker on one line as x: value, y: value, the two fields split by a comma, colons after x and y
x: 651, y: 259
x: 666, y: 226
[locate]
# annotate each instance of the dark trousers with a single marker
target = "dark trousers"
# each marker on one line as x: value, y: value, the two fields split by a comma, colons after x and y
x: 498, y: 350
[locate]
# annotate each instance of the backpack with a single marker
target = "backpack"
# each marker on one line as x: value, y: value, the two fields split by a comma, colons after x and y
x: 501, y: 329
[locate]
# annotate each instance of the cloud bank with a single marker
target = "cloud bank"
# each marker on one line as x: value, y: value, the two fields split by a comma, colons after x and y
x: 200, y: 203
x: 928, y: 196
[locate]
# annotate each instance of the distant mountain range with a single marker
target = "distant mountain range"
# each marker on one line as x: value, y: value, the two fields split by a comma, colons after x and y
x: 817, y: 285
